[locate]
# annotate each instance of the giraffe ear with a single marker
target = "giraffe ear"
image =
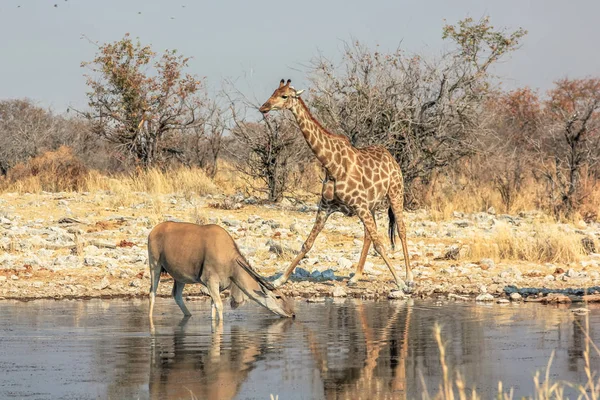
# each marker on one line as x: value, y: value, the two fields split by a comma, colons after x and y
x: 299, y: 92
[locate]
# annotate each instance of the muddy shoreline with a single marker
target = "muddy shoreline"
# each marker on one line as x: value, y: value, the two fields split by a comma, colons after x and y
x: 312, y: 291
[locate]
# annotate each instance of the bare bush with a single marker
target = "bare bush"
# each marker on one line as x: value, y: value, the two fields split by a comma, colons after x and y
x: 427, y: 113
x: 570, y: 142
x: 203, y: 143
x: 25, y: 129
x: 514, y: 123
x: 271, y: 151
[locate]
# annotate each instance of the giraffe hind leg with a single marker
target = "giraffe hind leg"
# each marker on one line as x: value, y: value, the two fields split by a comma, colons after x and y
x: 396, y: 203
x: 369, y: 222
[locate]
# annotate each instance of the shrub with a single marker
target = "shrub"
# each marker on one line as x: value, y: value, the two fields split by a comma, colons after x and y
x: 52, y: 171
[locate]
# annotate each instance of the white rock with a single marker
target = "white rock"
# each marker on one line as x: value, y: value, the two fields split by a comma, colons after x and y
x: 484, y: 297
x: 482, y: 289
x: 344, y: 263
x: 516, y: 297
x: 549, y: 278
x: 310, y: 261
x: 397, y: 295
x: 371, y: 270
x: 338, y: 291
x: 104, y: 283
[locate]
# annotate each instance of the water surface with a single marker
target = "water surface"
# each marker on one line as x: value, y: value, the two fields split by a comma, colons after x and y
x: 99, y: 349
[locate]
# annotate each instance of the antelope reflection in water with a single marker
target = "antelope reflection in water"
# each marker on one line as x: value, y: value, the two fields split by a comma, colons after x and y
x: 177, y: 370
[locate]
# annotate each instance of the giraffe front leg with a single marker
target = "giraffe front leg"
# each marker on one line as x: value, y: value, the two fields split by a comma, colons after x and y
x: 320, y: 220
x: 369, y: 223
x: 361, y: 262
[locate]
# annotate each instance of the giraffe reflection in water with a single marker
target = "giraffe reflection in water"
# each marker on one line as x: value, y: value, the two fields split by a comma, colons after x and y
x: 375, y: 367
x: 383, y: 358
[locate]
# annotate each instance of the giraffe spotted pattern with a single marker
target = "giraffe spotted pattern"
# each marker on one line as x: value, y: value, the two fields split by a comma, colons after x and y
x: 357, y: 182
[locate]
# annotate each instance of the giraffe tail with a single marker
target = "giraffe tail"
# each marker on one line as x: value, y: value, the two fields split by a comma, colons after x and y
x: 392, y: 227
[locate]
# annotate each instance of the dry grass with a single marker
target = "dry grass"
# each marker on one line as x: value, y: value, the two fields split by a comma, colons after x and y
x: 444, y: 196
x: 52, y: 171
x: 231, y: 181
x: 61, y: 172
x: 183, y: 181
x: 540, y: 242
x: 451, y: 388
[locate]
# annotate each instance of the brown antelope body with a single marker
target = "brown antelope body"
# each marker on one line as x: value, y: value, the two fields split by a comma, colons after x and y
x: 208, y: 255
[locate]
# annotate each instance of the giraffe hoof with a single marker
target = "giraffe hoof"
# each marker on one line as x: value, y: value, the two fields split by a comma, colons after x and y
x: 279, y: 281
x: 405, y: 287
x: 355, y: 279
x: 409, y: 287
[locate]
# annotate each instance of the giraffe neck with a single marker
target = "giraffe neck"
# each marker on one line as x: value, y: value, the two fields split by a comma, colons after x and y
x: 322, y: 142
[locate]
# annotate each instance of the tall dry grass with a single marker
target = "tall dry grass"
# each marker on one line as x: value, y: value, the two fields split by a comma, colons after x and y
x: 62, y: 171
x: 541, y: 242
x: 459, y: 192
x: 447, y: 194
x: 183, y: 181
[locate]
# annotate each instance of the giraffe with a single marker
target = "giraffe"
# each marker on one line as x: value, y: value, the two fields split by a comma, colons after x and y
x: 357, y: 181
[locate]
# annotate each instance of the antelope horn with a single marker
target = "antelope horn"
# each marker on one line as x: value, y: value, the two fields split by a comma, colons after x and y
x: 253, y: 274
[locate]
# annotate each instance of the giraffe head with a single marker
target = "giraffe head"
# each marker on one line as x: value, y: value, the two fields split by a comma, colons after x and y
x: 284, y: 97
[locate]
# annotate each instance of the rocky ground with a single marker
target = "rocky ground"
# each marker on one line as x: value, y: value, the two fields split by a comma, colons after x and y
x: 81, y: 245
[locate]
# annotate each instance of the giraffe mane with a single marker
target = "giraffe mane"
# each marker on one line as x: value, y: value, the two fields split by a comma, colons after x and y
x: 318, y: 124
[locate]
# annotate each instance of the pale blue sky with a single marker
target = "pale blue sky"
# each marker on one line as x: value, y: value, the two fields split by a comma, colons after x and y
x: 264, y: 41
